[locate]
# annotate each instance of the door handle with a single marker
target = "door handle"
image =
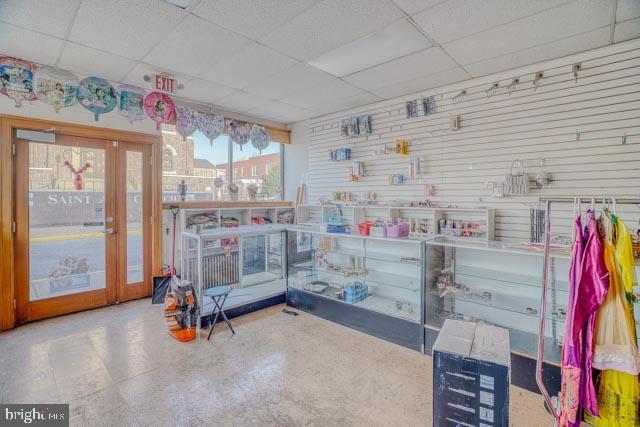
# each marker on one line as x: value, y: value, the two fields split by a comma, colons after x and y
x: 108, y: 231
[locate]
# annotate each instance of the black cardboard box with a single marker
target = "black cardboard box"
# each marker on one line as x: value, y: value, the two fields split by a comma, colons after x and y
x: 471, y: 365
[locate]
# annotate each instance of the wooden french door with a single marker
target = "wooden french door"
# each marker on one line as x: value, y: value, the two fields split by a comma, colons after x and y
x: 83, y: 229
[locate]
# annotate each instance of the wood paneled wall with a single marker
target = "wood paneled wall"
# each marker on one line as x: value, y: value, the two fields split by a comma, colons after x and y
x: 578, y: 128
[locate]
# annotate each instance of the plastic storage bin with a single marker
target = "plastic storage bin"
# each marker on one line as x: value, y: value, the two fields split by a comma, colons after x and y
x: 364, y: 228
x: 397, y: 229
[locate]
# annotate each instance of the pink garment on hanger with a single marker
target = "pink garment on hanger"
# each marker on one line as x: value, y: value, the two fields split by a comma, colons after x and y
x: 588, y: 285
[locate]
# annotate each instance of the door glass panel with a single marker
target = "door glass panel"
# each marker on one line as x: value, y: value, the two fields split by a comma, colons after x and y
x: 66, y: 220
x: 134, y: 218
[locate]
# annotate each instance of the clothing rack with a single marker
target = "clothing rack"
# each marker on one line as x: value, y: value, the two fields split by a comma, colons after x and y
x: 547, y: 202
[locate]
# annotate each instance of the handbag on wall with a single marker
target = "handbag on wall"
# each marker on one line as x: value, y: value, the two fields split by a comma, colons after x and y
x: 517, y: 181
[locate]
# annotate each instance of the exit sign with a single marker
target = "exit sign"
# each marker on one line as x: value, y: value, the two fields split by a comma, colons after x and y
x: 164, y: 83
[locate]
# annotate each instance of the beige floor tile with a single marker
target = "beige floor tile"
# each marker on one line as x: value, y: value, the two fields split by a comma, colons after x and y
x: 118, y: 366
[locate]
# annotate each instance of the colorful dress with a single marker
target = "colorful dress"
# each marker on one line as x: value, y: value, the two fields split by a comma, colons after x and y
x: 588, y: 281
x: 618, y: 389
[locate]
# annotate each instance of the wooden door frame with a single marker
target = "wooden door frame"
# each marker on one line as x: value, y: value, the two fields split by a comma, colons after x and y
x: 133, y: 291
x: 8, y: 125
x: 53, y: 306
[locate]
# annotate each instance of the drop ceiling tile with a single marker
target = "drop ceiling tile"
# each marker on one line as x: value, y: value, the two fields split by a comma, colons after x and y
x: 335, y: 105
x: 410, y: 67
x: 248, y: 66
x: 204, y: 91
x: 570, y: 19
x: 626, y: 30
x: 297, y: 116
x: 330, y: 24
x: 194, y: 46
x: 627, y: 9
x: 253, y: 18
x: 124, y: 27
x: 394, y: 41
x: 272, y: 110
x: 335, y: 90
x: 455, y: 19
x: 412, y: 6
x: 290, y: 81
x: 29, y: 45
x: 91, y: 62
x: 424, y: 83
x: 52, y: 17
x: 242, y: 101
x: 570, y: 45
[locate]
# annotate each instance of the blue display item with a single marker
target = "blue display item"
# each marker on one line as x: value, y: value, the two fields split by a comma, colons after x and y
x: 364, y: 124
x: 342, y: 229
x: 429, y: 105
x: 355, y: 292
x: 340, y: 155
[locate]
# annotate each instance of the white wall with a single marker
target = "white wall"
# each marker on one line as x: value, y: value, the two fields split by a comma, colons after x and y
x: 75, y: 114
x: 296, y: 159
x: 527, y: 124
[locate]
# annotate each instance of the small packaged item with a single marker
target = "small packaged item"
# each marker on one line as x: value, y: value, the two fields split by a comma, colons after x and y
x: 429, y: 105
x: 412, y: 109
x: 364, y: 124
x: 396, y: 178
x: 378, y: 230
x: 352, y: 126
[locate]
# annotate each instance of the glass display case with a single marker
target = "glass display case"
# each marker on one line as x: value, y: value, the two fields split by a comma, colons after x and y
x: 371, y: 284
x: 248, y: 258
x: 497, y: 284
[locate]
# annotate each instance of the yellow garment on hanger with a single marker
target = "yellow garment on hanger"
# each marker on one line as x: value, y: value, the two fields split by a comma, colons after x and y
x: 618, y: 392
x: 626, y: 264
x: 618, y: 398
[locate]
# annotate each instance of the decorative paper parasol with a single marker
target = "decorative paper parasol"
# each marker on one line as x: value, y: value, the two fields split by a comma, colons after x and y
x: 239, y: 132
x: 131, y: 103
x: 186, y: 121
x: 97, y: 95
x: 160, y: 108
x: 211, y: 125
x: 56, y: 87
x: 260, y: 139
x: 16, y: 79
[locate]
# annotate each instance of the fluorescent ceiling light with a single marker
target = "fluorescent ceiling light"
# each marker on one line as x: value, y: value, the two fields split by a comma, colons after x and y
x: 392, y: 42
x: 183, y: 4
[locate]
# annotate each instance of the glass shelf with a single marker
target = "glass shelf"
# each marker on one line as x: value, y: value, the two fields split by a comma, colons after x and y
x: 506, y: 277
x: 392, y: 270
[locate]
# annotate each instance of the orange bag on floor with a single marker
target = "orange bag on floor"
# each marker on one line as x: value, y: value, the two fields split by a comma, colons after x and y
x: 181, y: 310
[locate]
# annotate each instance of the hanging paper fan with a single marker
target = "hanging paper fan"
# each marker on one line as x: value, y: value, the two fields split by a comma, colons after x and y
x: 239, y: 132
x: 186, y: 121
x: 260, y: 139
x: 16, y: 79
x: 97, y: 95
x: 211, y: 125
x: 160, y: 108
x: 131, y: 102
x: 56, y: 87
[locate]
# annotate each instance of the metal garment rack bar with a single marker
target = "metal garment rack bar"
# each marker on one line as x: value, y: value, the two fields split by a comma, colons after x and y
x: 548, y: 201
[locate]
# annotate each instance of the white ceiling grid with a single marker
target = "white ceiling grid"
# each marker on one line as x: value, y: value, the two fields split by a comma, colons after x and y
x: 255, y: 56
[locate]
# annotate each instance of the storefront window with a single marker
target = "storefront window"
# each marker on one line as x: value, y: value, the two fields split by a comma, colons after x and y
x: 261, y: 171
x: 199, y: 163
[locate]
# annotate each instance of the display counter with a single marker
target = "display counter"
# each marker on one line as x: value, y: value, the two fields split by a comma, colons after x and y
x: 368, y: 283
x: 251, y: 259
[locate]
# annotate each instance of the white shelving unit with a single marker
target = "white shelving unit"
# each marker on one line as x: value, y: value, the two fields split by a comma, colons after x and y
x: 315, y: 214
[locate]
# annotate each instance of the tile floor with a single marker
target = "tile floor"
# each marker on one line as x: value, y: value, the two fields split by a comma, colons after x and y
x: 117, y: 366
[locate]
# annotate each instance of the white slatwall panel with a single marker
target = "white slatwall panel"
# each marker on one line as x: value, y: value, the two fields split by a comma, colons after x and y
x: 527, y: 124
